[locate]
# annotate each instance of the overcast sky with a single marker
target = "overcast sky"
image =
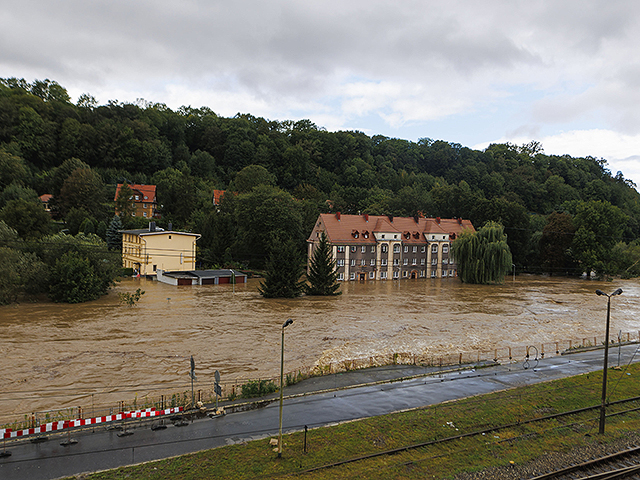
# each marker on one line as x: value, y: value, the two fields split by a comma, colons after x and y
x: 565, y: 73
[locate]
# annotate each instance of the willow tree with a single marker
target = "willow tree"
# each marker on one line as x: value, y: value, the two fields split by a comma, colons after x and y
x: 482, y: 256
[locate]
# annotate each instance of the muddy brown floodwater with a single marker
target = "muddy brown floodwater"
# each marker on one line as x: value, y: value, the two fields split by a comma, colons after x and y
x: 56, y: 355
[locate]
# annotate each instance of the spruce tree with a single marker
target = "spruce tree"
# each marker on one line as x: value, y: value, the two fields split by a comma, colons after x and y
x: 284, y: 269
x: 114, y: 237
x: 322, y: 274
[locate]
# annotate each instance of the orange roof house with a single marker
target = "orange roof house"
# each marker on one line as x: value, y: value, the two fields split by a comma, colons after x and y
x: 143, y: 200
x: 375, y: 247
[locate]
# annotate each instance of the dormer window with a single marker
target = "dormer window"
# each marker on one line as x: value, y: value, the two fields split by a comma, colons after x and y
x: 355, y: 233
x: 406, y: 235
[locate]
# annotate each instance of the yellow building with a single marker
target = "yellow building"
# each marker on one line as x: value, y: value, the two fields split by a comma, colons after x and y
x: 152, y: 249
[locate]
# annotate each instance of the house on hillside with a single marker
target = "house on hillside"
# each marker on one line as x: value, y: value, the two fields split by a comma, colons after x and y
x: 143, y: 200
x: 374, y: 247
x: 148, y: 250
x: 45, y: 199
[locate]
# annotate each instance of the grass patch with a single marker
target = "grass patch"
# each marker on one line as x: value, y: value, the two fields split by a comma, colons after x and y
x: 519, y: 443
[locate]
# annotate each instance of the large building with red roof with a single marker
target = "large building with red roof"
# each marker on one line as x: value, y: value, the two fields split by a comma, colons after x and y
x: 374, y: 247
x: 143, y: 200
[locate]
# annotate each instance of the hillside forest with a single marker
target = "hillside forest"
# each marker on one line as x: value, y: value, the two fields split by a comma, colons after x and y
x: 562, y: 215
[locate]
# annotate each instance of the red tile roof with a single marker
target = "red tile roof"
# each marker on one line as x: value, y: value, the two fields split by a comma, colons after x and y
x: 355, y: 229
x: 147, y: 192
x: 217, y: 196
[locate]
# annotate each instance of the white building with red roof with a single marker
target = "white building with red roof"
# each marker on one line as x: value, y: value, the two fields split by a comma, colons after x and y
x: 374, y: 247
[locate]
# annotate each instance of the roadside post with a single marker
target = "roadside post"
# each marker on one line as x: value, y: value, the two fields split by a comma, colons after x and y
x: 284, y: 325
x: 192, y: 374
x: 217, y: 388
x: 603, y: 407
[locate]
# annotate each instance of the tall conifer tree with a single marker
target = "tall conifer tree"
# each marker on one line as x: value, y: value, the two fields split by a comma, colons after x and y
x: 284, y: 269
x: 322, y: 271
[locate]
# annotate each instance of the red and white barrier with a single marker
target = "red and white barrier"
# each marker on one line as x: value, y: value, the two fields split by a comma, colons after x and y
x: 61, y: 425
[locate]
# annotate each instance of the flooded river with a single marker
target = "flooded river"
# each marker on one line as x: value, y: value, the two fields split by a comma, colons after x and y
x: 55, y: 355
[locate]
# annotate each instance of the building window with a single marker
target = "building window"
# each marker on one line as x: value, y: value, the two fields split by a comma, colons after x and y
x: 373, y: 249
x: 144, y: 205
x: 181, y: 258
x: 415, y: 249
x: 340, y: 262
x: 340, y: 248
x: 405, y: 261
x: 353, y: 249
x: 414, y: 261
x: 396, y: 248
x: 144, y: 214
x: 353, y: 262
x: 396, y: 262
x: 422, y: 261
x: 384, y: 248
x: 433, y: 273
x: 422, y: 273
x: 341, y: 276
x: 396, y: 274
x: 373, y: 262
x: 423, y: 248
x: 445, y: 248
x: 445, y: 261
x: 137, y: 197
x: 372, y: 275
x: 404, y: 274
x: 383, y: 262
x: 383, y: 275
x: 363, y: 262
x: 352, y: 276
x: 434, y: 261
x: 406, y: 249
x: 154, y: 268
x: 434, y: 248
x: 444, y: 273
x: 364, y: 249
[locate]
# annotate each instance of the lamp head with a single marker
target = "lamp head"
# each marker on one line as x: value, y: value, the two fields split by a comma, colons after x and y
x: 617, y: 292
x: 287, y: 323
x: 600, y: 292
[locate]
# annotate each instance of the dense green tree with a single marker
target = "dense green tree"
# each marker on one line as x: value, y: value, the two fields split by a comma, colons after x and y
x: 15, y: 191
x: 251, y: 176
x: 13, y: 169
x: 599, y: 226
x: 85, y: 189
x: 555, y: 244
x: 28, y: 218
x: 124, y: 204
x: 74, y: 280
x: 322, y: 276
x: 263, y: 214
x: 482, y: 256
x: 20, y: 273
x: 81, y: 267
x: 284, y: 270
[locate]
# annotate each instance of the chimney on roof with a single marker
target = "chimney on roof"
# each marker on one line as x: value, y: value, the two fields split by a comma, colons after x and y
x: 390, y: 218
x: 438, y: 220
x: 338, y: 215
x: 416, y: 218
x: 366, y: 217
x: 460, y: 220
x: 152, y: 226
x: 170, y: 227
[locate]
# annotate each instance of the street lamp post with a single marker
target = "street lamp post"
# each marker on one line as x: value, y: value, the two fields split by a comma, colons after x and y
x: 284, y: 325
x: 606, y: 359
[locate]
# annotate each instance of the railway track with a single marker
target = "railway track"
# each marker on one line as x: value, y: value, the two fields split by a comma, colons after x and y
x: 624, y: 464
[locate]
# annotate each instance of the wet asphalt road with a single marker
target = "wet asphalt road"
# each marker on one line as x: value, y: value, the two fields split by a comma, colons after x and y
x: 338, y: 400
